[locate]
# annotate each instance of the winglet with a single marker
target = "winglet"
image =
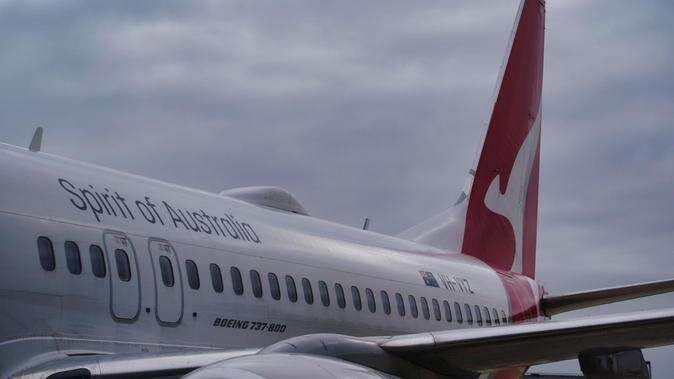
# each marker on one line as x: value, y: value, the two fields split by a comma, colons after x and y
x: 36, y: 142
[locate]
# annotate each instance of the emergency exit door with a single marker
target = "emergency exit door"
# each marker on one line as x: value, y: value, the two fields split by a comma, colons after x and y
x: 124, y: 280
x: 167, y: 282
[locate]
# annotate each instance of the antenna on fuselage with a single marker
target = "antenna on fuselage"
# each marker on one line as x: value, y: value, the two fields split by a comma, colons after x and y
x: 366, y: 224
x: 36, y: 142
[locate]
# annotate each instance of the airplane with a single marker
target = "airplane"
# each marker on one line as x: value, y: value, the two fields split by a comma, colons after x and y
x: 109, y: 274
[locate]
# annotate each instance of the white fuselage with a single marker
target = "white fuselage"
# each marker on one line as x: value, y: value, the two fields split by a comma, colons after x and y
x: 63, y: 200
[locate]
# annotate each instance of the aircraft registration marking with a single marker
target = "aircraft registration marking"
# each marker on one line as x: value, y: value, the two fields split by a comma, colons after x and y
x: 450, y: 282
x: 455, y: 283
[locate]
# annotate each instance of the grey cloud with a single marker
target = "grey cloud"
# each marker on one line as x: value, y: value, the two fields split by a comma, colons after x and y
x: 365, y: 109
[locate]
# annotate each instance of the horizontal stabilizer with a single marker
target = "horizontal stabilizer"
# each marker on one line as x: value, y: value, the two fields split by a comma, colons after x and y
x: 578, y: 300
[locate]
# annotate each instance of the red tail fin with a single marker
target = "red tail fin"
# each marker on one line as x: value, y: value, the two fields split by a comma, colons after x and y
x: 494, y: 218
x: 502, y: 209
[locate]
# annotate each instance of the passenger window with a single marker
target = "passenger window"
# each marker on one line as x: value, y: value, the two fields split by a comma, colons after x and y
x: 495, y: 314
x: 256, y: 283
x: 385, y: 302
x: 503, y: 317
x: 237, y: 281
x: 478, y: 315
x: 97, y: 261
x: 448, y: 311
x: 274, y: 287
x: 401, y: 304
x: 323, y: 290
x: 355, y: 294
x: 73, y: 260
x: 308, y: 292
x: 469, y: 314
x: 46, y: 252
x: 341, y: 299
x: 436, y: 310
x: 192, y: 274
x: 292, y: 290
x: 371, y: 305
x: 413, y: 306
x: 166, y: 269
x: 424, y: 308
x: 487, y: 316
x: 123, y: 267
x: 458, y: 313
x: 216, y: 277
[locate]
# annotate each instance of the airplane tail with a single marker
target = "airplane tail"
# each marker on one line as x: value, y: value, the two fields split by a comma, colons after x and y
x: 495, y: 217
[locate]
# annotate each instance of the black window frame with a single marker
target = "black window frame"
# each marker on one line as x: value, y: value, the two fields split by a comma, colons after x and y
x: 371, y: 301
x: 425, y: 311
x: 45, y: 249
x: 339, y: 294
x: 400, y: 304
x: 237, y: 280
x: 167, y: 277
x: 255, y: 283
x: 73, y: 257
x: 414, y: 309
x: 458, y: 312
x: 504, y: 318
x: 308, y: 291
x: 123, y: 269
x: 436, y: 309
x: 274, y: 286
x: 478, y: 315
x: 216, y: 278
x: 192, y: 272
x: 385, y: 301
x: 356, y: 301
x: 291, y: 289
x: 448, y: 310
x: 487, y: 316
x: 469, y: 314
x: 495, y: 317
x: 97, y: 260
x: 323, y: 291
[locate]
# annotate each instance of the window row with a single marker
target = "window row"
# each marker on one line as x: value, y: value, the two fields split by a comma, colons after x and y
x: 74, y: 260
x: 456, y: 312
x: 452, y: 312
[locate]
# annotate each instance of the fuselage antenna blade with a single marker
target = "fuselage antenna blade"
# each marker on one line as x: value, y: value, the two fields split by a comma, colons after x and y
x: 36, y: 142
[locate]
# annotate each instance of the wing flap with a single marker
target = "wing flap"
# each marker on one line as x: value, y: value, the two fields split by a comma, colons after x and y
x: 523, y: 345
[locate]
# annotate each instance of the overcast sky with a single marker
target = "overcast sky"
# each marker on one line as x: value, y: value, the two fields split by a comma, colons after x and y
x: 366, y: 109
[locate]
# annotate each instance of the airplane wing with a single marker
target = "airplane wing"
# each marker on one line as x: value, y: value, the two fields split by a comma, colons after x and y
x: 128, y: 365
x: 453, y: 352
x: 521, y: 345
x: 422, y: 355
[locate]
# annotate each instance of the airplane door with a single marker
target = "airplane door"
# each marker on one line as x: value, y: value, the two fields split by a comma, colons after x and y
x: 124, y: 279
x: 167, y: 282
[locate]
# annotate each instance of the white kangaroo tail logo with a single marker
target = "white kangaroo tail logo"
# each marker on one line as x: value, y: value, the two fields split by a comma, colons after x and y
x: 511, y: 204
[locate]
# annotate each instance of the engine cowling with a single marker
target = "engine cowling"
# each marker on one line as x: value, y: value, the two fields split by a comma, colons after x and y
x: 626, y: 364
x: 285, y: 366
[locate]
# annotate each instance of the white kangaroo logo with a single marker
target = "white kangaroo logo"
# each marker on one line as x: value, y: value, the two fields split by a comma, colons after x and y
x: 511, y: 204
